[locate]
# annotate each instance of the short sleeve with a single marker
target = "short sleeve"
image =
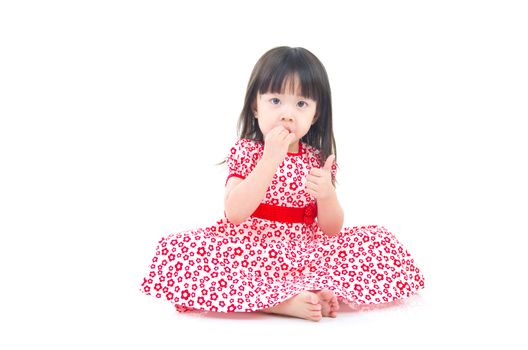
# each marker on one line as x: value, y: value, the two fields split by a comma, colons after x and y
x: 334, y: 170
x: 242, y: 158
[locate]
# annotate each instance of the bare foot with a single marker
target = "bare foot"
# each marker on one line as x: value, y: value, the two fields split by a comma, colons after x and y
x: 329, y: 302
x: 303, y: 305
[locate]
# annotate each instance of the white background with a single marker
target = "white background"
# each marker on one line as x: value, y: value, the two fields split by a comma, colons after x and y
x: 113, y: 114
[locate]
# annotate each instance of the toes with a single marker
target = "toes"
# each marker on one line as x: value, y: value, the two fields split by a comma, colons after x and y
x: 327, y: 295
x: 312, y: 298
x: 316, y: 307
x: 315, y: 316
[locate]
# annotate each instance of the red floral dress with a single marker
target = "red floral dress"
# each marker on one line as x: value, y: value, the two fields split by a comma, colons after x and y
x: 279, y: 251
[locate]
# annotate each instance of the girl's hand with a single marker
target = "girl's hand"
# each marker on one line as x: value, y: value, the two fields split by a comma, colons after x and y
x: 319, y: 181
x: 277, y: 143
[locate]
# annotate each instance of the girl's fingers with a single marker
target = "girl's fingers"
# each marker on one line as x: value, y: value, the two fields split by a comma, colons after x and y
x: 311, y: 185
x: 310, y: 192
x: 283, y: 134
x: 312, y: 179
x: 316, y: 172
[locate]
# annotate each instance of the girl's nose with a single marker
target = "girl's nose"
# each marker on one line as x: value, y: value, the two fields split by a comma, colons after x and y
x: 287, y: 114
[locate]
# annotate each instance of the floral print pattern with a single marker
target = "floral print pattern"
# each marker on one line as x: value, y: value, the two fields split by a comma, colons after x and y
x: 260, y: 263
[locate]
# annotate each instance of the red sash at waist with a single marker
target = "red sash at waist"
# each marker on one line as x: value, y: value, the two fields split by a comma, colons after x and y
x: 287, y: 214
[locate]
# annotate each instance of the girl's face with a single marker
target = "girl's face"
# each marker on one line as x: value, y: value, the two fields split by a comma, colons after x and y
x: 292, y: 111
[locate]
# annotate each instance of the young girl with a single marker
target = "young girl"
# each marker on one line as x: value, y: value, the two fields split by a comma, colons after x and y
x: 280, y: 247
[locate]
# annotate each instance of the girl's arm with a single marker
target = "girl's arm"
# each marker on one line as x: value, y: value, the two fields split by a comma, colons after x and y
x: 330, y: 215
x: 242, y: 201
x: 319, y: 184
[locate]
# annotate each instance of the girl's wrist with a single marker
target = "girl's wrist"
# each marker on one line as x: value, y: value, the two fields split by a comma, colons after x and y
x: 270, y: 161
x: 332, y: 196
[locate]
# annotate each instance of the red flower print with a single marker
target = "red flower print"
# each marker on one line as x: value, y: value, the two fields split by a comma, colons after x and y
x: 238, y: 251
x: 293, y: 186
x: 222, y: 283
x: 169, y: 296
x: 185, y: 294
x: 201, y: 251
x: 272, y: 254
x: 358, y: 287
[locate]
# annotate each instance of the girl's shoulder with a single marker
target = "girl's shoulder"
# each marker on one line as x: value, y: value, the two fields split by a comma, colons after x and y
x: 247, y: 146
x: 312, y: 152
x: 248, y: 142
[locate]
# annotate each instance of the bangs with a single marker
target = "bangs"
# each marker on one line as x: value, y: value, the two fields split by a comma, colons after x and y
x: 284, y: 77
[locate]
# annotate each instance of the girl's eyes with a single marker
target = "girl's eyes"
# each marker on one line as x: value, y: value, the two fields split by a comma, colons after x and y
x: 275, y: 101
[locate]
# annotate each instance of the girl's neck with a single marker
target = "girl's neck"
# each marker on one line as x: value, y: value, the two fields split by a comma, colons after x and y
x: 295, y: 148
